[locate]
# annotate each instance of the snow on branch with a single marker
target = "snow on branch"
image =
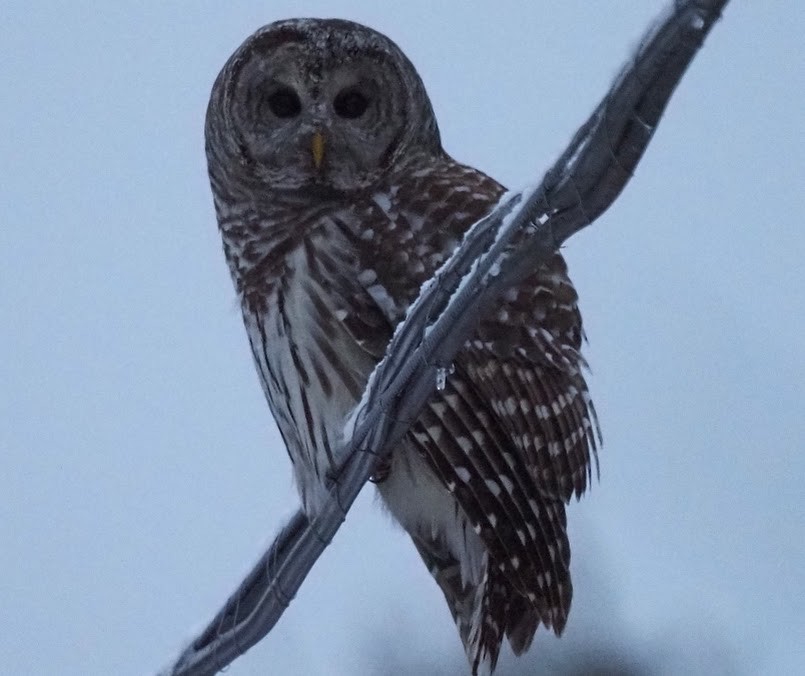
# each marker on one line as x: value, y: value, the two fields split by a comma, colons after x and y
x: 498, y: 251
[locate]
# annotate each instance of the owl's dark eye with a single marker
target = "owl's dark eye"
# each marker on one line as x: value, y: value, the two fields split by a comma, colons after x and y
x: 350, y: 103
x: 284, y: 102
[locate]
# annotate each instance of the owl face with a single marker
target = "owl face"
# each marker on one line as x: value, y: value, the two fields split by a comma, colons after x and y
x: 322, y: 104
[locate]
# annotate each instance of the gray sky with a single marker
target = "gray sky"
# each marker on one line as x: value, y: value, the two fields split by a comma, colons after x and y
x: 142, y: 473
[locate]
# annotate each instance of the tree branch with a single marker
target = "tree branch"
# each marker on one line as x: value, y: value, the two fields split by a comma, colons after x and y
x: 521, y: 233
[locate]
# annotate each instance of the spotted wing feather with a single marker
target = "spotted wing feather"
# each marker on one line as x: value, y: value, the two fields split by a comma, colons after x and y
x: 512, y: 435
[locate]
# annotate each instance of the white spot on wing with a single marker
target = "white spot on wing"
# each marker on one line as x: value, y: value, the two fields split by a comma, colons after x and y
x: 439, y: 408
x: 366, y: 277
x: 465, y: 443
x: 493, y: 487
x: 384, y: 301
x: 463, y: 473
x: 382, y: 200
x: 511, y: 405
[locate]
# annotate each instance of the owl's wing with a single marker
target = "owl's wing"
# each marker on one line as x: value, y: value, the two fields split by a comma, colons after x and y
x: 525, y: 361
x: 512, y: 434
x: 512, y: 437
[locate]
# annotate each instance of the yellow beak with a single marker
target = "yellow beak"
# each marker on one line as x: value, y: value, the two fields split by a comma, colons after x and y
x: 317, y: 148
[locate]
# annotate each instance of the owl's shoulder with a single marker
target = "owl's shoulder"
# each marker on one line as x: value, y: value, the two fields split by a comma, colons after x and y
x: 408, y: 225
x: 447, y: 192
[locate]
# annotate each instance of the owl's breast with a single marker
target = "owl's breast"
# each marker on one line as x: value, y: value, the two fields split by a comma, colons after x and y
x: 316, y: 335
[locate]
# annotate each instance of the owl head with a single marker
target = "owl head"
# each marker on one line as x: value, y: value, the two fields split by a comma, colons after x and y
x: 319, y: 104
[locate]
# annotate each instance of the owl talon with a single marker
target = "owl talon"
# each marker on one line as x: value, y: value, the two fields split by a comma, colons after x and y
x: 381, y: 473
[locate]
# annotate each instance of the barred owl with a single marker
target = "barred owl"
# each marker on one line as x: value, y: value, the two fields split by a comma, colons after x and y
x: 335, y: 202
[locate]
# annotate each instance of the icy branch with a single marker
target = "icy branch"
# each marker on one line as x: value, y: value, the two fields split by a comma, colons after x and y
x: 501, y: 249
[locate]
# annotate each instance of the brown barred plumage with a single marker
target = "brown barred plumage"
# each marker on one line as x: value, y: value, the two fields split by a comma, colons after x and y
x: 327, y: 254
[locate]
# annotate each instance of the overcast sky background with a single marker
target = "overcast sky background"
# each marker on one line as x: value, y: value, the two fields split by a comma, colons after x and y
x: 142, y: 473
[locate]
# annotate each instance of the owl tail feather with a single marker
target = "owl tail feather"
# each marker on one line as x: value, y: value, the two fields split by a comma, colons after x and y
x: 483, y: 612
